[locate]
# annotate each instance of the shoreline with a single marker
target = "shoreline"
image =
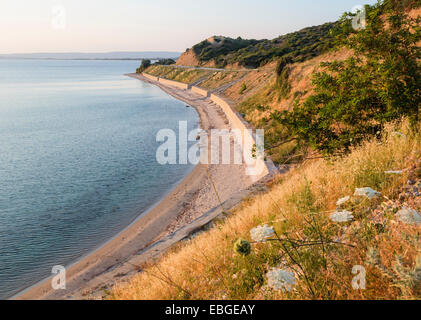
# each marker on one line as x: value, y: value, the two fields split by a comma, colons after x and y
x: 187, y: 208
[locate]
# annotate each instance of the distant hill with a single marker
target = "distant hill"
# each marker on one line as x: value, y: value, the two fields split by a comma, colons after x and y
x: 95, y: 56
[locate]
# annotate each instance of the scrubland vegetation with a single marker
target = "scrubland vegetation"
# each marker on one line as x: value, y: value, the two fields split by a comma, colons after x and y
x: 349, y: 99
x: 221, y: 78
x: 297, y: 46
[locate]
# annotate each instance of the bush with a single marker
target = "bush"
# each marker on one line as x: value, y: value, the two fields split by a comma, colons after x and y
x: 283, y: 83
x: 165, y: 62
x: 146, y: 63
x: 355, y: 98
x: 282, y: 63
x: 243, y: 88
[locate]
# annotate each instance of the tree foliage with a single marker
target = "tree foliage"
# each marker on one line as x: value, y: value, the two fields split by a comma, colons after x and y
x: 297, y: 46
x: 146, y: 63
x: 165, y: 62
x: 355, y: 98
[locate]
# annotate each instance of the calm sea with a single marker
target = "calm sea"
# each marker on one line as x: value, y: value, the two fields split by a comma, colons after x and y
x: 77, y: 160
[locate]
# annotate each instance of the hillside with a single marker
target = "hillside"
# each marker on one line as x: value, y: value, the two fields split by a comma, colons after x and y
x: 340, y: 108
x: 219, y: 51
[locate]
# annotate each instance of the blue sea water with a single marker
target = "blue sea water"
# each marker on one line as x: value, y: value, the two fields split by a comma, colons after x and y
x: 77, y: 160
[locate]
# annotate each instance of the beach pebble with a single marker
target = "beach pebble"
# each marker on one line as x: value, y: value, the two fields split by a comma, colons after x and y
x: 279, y: 279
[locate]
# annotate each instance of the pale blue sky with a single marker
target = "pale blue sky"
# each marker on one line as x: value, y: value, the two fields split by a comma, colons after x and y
x: 141, y: 25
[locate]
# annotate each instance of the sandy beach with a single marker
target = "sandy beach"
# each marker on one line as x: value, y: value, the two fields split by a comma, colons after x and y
x: 184, y: 211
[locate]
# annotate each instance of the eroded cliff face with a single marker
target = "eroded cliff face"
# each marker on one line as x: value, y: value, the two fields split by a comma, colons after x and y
x: 188, y: 58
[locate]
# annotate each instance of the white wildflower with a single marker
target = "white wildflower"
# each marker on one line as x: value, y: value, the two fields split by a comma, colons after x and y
x: 341, y: 216
x: 398, y: 134
x: 261, y: 233
x: 367, y: 192
x: 342, y: 201
x: 409, y: 216
x: 279, y: 279
x: 394, y: 172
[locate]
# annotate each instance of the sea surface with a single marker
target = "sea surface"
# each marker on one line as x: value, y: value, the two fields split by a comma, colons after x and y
x: 77, y: 160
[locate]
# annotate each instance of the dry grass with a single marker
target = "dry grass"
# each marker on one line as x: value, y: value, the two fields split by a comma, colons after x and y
x: 263, y: 97
x: 268, y: 95
x: 206, y: 267
x: 188, y: 76
x: 255, y: 80
x: 220, y: 78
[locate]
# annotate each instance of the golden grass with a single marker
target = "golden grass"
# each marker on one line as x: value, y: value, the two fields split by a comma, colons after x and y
x: 220, y: 78
x: 263, y: 97
x: 206, y: 267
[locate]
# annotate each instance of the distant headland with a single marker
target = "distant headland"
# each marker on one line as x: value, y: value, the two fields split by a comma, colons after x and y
x: 118, y: 55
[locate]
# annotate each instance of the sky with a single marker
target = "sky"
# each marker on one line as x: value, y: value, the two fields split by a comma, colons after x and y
x: 29, y: 26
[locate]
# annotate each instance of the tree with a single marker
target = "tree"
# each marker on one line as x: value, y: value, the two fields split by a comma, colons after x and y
x: 165, y: 62
x: 355, y: 98
x: 146, y: 63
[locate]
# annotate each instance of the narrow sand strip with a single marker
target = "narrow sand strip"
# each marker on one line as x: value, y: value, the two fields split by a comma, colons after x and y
x: 190, y: 206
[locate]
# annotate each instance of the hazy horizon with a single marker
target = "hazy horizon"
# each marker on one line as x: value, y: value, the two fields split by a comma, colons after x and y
x: 116, y: 55
x: 132, y: 26
x: 88, y: 52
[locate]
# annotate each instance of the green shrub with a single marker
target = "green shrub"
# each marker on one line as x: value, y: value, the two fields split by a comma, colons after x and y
x: 282, y: 63
x: 243, y: 88
x: 283, y: 83
x: 355, y: 98
x: 294, y: 47
x: 165, y: 62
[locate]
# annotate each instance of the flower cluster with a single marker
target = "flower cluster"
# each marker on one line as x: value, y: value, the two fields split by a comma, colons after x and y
x: 341, y: 216
x: 262, y: 233
x: 367, y: 192
x: 279, y: 279
x: 342, y: 201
